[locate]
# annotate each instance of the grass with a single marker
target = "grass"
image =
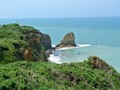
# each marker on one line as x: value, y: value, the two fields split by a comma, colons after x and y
x: 14, y: 39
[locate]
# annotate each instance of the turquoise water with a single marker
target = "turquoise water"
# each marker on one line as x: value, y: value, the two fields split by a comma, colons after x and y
x: 103, y: 31
x: 103, y: 34
x: 109, y: 54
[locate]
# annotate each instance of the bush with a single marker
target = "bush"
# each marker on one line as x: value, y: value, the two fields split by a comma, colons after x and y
x: 23, y: 75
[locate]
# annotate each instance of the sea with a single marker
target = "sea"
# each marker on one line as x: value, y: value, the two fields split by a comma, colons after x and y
x: 94, y: 36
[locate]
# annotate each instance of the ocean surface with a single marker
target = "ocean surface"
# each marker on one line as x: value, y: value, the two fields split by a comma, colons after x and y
x: 98, y: 36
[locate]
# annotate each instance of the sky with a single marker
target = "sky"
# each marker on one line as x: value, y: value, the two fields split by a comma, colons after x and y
x: 58, y: 8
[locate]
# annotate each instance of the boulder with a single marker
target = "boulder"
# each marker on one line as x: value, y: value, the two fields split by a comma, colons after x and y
x: 48, y: 52
x: 68, y: 41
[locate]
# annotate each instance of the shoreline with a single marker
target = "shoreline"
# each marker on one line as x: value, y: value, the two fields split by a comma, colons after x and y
x: 56, y: 58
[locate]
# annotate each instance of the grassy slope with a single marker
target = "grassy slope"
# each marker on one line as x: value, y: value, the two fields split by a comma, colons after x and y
x: 49, y: 76
x: 9, y: 34
x: 14, y: 34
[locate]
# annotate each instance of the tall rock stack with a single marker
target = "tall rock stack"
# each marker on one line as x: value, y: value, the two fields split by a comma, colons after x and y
x: 68, y: 41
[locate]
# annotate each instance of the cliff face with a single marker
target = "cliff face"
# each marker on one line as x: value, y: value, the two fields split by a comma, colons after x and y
x: 22, y: 43
x: 68, y: 40
x: 46, y: 41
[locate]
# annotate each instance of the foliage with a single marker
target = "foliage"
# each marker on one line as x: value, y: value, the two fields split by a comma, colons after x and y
x: 24, y: 75
x: 14, y: 39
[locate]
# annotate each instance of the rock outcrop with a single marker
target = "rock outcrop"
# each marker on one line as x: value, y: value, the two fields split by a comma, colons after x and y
x: 98, y: 63
x: 46, y: 41
x: 23, y: 43
x: 68, y: 41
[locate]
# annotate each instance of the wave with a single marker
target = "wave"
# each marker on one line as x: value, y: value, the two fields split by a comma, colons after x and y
x: 53, y: 46
x: 84, y: 45
x: 78, y: 46
x: 56, y: 58
x: 65, y: 48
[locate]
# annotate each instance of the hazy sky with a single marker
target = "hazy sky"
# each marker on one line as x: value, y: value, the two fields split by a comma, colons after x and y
x: 58, y: 8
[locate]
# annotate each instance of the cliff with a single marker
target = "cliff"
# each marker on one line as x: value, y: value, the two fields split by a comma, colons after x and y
x: 22, y: 43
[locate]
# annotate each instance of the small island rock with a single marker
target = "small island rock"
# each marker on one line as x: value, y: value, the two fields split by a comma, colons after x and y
x: 68, y: 41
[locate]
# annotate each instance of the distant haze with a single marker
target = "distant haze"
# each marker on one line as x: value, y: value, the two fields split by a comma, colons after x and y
x: 58, y: 8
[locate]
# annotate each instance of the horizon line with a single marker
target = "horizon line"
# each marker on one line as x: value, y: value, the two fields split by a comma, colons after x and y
x: 55, y: 17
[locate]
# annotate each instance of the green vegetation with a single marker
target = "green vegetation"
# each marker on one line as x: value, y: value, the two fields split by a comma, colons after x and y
x: 21, y: 44
x: 16, y: 40
x: 24, y: 75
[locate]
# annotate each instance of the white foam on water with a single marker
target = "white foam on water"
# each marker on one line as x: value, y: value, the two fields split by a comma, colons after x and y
x: 53, y: 46
x: 65, y: 48
x: 57, y: 59
x: 78, y: 46
x: 84, y: 45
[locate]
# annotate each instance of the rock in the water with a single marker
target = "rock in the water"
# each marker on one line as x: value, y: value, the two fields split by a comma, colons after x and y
x: 48, y: 52
x: 68, y: 40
